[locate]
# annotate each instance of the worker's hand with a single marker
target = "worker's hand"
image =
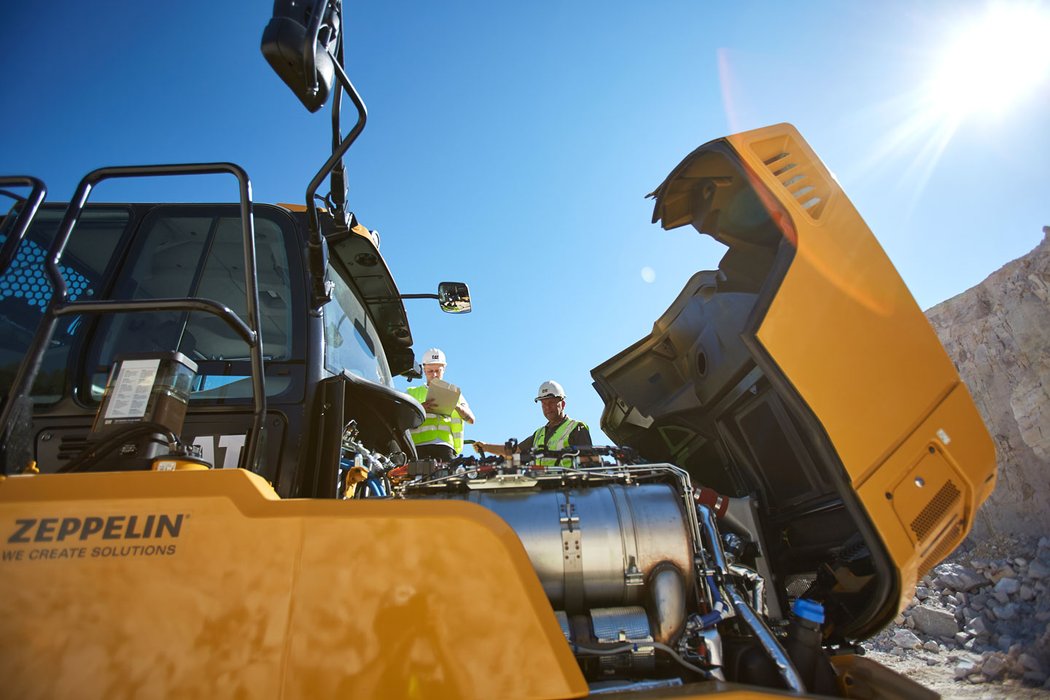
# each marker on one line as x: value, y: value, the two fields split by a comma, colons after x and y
x: 428, y: 405
x: 479, y: 447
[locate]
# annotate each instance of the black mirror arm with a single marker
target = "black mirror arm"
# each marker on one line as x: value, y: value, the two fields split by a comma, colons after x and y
x: 314, y: 33
x: 418, y: 296
x: 319, y: 257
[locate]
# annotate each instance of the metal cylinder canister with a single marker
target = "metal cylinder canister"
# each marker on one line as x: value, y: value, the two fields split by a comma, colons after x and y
x: 596, y: 547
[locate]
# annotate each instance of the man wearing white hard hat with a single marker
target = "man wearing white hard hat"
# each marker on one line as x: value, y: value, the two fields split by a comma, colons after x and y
x: 439, y: 436
x: 559, y: 433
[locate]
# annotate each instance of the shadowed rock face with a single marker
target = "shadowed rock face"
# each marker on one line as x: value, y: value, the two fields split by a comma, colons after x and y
x: 998, y: 335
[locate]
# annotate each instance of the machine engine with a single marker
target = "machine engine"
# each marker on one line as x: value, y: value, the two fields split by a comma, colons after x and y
x: 648, y: 589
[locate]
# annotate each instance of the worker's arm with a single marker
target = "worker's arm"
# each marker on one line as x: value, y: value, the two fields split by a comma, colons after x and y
x: 524, y: 448
x: 464, y: 411
x: 491, y: 448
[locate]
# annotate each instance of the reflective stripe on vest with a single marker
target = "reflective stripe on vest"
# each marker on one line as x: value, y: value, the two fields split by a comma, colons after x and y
x: 559, y: 440
x: 436, y: 429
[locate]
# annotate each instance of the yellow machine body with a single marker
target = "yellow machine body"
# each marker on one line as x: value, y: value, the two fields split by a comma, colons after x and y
x: 205, y: 584
x: 846, y: 332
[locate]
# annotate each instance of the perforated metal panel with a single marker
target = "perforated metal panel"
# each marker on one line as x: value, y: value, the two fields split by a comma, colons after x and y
x: 935, y: 510
x: 26, y: 278
x: 943, y: 549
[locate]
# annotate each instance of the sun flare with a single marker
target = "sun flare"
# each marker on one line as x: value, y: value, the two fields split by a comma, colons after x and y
x: 994, y: 62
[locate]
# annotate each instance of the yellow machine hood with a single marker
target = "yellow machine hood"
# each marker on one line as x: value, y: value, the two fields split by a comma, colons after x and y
x: 802, y: 374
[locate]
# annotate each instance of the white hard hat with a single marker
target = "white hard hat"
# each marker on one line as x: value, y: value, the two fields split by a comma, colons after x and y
x: 433, y: 356
x: 550, y: 389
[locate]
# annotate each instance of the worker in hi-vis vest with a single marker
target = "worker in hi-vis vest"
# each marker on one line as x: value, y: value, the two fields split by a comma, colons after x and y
x: 438, y: 436
x: 559, y: 433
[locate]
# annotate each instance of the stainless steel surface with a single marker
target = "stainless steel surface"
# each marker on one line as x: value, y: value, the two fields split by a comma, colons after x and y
x: 591, y: 547
x: 612, y: 625
x: 627, y: 624
x: 668, y: 603
x: 563, y: 622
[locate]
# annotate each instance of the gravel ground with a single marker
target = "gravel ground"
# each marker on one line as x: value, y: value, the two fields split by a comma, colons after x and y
x: 979, y: 624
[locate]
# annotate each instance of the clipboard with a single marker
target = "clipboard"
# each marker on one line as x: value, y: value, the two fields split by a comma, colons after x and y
x: 444, y: 395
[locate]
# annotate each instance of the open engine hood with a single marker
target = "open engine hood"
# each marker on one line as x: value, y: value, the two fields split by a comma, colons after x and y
x: 803, y: 374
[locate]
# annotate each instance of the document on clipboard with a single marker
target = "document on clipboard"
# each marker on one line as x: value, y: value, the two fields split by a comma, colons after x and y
x: 444, y: 395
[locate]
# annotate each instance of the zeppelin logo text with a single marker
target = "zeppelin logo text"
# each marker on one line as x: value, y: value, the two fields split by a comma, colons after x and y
x: 95, y: 536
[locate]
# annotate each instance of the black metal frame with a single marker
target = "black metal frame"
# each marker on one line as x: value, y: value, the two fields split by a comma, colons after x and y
x: 58, y: 306
x: 29, y: 206
x: 317, y: 246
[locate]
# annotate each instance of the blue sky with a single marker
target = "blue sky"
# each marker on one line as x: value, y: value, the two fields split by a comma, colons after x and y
x: 510, y: 145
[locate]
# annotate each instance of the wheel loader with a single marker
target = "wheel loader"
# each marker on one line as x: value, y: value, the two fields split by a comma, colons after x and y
x: 190, y: 392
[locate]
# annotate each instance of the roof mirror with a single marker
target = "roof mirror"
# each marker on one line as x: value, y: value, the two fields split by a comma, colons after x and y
x: 299, y: 42
x: 454, y: 297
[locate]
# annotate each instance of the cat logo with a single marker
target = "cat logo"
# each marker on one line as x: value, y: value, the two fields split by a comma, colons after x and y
x: 228, y: 447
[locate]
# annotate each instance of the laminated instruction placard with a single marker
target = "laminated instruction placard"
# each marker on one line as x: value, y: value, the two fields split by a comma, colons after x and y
x: 132, y: 389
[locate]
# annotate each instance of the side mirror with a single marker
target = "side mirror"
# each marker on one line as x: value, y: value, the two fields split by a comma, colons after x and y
x: 295, y: 44
x: 454, y: 297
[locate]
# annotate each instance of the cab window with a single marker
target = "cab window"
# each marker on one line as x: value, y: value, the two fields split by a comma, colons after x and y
x: 351, y: 340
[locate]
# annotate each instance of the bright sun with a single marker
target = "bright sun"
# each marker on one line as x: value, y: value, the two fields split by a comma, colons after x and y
x: 994, y: 62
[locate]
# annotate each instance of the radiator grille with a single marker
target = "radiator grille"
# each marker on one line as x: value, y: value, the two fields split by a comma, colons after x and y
x: 943, y: 549
x: 935, y: 510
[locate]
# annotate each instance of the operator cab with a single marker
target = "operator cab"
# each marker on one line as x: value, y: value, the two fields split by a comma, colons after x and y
x: 358, y: 339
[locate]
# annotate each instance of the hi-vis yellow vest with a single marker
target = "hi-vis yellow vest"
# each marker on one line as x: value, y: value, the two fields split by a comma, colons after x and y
x: 559, y: 440
x: 437, y: 429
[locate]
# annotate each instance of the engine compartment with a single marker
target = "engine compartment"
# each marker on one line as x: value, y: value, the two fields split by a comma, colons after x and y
x: 654, y: 581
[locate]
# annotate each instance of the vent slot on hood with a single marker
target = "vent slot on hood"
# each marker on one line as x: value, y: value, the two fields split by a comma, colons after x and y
x: 797, y: 172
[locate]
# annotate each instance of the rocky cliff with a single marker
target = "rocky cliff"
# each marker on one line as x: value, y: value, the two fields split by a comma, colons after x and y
x: 998, y: 334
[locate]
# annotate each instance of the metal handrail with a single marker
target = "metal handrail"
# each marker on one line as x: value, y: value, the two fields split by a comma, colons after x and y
x: 18, y: 408
x: 26, y: 213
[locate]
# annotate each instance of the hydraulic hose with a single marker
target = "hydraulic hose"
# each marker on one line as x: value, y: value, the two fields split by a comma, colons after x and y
x: 765, y: 636
x: 633, y: 645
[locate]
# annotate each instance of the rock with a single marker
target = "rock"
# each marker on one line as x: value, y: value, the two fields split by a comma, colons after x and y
x: 1005, y: 641
x: 1002, y: 572
x: 935, y: 622
x: 1009, y: 586
x: 1030, y: 663
x: 906, y: 639
x: 1005, y: 612
x: 964, y: 668
x: 997, y: 334
x: 922, y: 593
x: 1034, y: 677
x: 1020, y: 561
x: 1026, y: 592
x: 977, y: 627
x: 932, y: 646
x: 1037, y: 569
x: 994, y: 666
x: 899, y: 620
x: 958, y: 577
